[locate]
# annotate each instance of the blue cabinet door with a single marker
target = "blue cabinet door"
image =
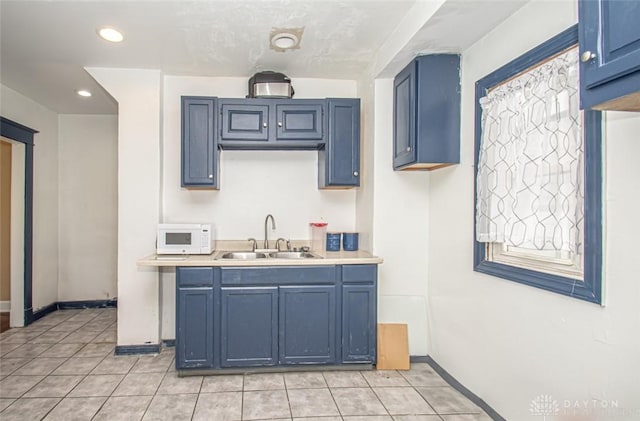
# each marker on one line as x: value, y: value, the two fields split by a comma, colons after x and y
x: 249, y: 326
x: 426, y: 110
x: 610, y: 50
x: 359, y: 313
x: 244, y: 120
x: 194, y: 318
x: 339, y: 163
x: 404, y: 116
x: 358, y: 323
x: 199, y: 148
x: 307, y: 324
x: 299, y: 120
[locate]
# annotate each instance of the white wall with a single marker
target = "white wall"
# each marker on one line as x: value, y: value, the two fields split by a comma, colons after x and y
x: 138, y: 93
x: 510, y: 343
x: 252, y: 183
x: 400, y: 229
x: 23, y: 110
x: 364, y: 195
x: 88, y: 207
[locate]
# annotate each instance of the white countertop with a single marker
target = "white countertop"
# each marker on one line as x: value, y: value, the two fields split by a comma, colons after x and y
x: 358, y: 257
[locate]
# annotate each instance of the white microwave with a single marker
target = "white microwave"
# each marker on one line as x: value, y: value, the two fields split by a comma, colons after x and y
x: 185, y: 239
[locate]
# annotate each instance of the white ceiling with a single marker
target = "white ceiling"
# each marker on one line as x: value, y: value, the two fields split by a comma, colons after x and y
x: 45, y: 45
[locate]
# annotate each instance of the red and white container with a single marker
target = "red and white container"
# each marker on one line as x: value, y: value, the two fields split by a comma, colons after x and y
x: 318, y: 236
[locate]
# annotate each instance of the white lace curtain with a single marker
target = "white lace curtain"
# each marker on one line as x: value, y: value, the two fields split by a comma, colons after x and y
x: 530, y: 168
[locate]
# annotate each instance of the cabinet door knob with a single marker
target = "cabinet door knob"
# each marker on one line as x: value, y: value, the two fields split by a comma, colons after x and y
x: 264, y: 125
x: 587, y: 56
x: 408, y: 148
x: 356, y: 173
x: 279, y: 123
x: 210, y: 175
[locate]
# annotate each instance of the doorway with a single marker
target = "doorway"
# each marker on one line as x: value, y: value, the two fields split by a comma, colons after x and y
x: 20, y: 213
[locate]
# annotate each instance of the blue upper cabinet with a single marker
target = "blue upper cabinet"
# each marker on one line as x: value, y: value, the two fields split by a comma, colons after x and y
x: 241, y: 120
x: 610, y: 54
x: 426, y: 113
x: 271, y: 123
x: 199, y: 149
x: 297, y: 120
x: 339, y: 162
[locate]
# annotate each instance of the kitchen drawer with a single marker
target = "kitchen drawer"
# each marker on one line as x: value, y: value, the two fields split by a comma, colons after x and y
x: 359, y: 273
x: 194, y: 276
x: 278, y: 275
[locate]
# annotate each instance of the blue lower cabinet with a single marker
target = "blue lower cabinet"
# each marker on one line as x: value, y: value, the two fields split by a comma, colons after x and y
x: 307, y: 324
x: 359, y: 310
x: 358, y: 323
x: 266, y: 316
x: 249, y: 327
x: 194, y: 318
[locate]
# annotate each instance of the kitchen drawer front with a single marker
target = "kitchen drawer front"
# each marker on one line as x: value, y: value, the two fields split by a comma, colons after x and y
x: 359, y: 274
x: 278, y: 275
x: 195, y: 277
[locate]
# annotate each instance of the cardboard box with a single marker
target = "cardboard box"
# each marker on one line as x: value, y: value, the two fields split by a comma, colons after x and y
x: 393, y: 347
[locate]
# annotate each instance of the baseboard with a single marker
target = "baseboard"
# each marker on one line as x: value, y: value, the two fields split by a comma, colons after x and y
x: 5, y: 306
x: 169, y: 343
x: 419, y: 358
x: 40, y: 313
x: 137, y: 349
x: 75, y: 305
x: 460, y: 388
x: 31, y: 317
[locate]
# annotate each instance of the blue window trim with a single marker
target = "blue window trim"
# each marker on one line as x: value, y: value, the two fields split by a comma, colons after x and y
x: 591, y: 288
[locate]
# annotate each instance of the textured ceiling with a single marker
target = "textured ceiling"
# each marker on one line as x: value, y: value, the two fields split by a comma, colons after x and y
x: 45, y: 45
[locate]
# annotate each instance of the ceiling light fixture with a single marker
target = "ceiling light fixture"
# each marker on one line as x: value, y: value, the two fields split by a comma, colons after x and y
x: 283, y: 39
x: 84, y: 93
x: 110, y: 34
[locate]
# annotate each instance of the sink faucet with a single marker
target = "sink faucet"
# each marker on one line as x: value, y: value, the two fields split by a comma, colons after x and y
x: 255, y: 243
x: 266, y: 234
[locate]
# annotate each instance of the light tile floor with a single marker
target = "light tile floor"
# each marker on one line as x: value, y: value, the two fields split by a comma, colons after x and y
x: 62, y: 367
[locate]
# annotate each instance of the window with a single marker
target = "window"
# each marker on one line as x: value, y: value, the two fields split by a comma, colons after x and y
x: 538, y: 174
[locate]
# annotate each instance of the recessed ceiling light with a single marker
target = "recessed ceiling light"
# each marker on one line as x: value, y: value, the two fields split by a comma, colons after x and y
x: 84, y: 93
x: 110, y: 34
x: 283, y: 39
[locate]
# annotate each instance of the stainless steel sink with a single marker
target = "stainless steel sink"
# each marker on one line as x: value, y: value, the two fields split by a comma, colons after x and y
x: 249, y: 255
x: 293, y: 255
x: 243, y: 255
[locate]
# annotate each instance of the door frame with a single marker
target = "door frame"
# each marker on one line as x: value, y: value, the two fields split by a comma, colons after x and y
x: 23, y: 134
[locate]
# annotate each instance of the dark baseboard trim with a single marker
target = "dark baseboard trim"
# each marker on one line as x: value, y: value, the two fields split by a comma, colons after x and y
x: 73, y: 305
x: 460, y: 388
x: 40, y: 313
x: 137, y: 349
x: 169, y: 343
x: 419, y: 358
x: 31, y: 317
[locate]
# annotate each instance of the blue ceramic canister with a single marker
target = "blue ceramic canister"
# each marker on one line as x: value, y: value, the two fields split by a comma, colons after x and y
x: 350, y: 241
x: 333, y: 241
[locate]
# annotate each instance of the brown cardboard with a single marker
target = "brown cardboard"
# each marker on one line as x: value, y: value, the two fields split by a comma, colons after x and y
x: 393, y: 347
